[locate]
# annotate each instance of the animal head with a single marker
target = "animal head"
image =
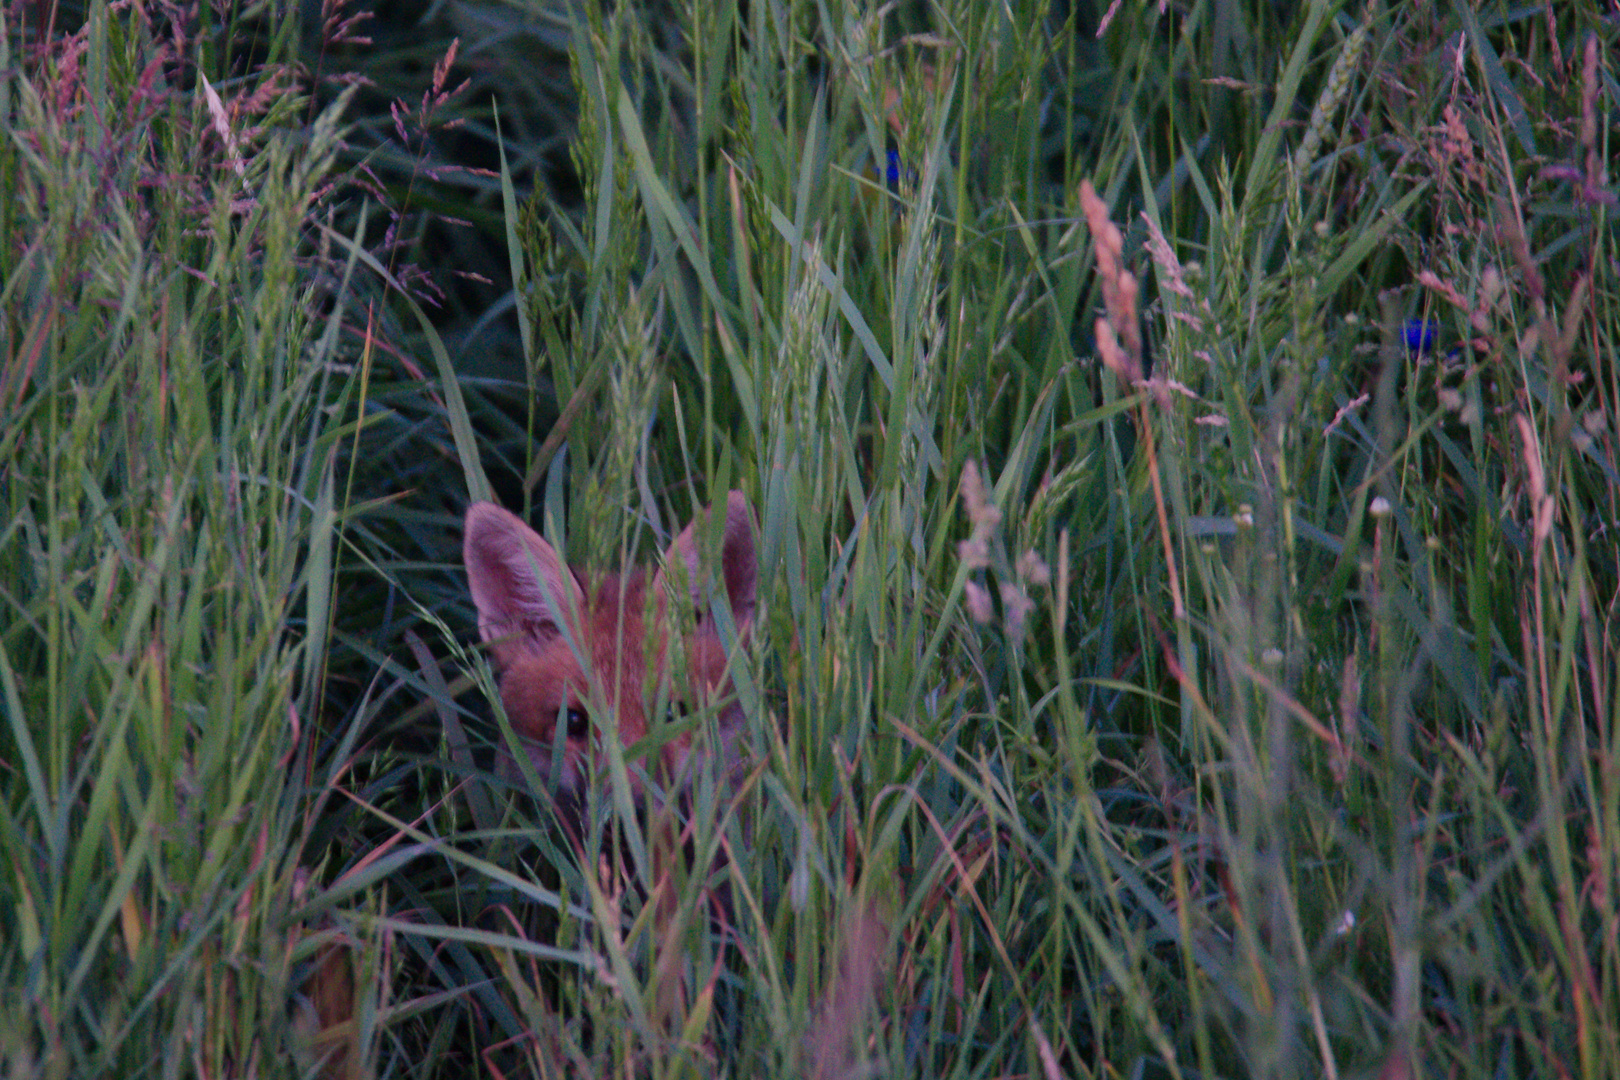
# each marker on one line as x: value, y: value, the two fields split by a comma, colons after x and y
x: 579, y: 658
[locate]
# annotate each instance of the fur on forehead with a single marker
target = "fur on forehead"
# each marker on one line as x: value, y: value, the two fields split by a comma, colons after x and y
x: 522, y: 587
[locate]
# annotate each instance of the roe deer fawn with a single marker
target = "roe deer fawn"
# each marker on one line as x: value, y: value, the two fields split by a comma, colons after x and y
x: 573, y: 652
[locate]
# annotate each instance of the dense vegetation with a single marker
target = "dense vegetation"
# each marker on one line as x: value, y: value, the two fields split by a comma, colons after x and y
x: 1184, y: 444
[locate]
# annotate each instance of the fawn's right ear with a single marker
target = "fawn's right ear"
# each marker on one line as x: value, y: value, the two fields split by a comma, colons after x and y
x: 738, y: 563
x: 518, y: 583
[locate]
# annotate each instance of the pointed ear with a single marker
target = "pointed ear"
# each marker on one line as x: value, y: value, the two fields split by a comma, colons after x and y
x: 517, y: 581
x: 739, y: 565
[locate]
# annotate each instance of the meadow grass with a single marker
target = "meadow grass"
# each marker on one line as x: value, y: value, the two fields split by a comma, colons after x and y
x: 1187, y: 498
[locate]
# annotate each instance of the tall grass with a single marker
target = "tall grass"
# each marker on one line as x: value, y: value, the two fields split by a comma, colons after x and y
x: 1187, y: 490
x: 171, y: 518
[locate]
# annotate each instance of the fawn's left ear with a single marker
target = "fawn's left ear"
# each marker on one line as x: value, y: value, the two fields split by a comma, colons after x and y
x: 739, y: 565
x: 522, y: 589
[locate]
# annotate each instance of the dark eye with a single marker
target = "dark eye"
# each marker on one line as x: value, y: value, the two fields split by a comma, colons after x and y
x: 579, y: 724
x: 677, y: 711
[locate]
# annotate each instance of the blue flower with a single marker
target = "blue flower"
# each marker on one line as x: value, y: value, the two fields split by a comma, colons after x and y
x: 1420, y: 335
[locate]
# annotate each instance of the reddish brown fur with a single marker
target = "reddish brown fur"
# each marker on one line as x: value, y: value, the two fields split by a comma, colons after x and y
x: 605, y: 665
